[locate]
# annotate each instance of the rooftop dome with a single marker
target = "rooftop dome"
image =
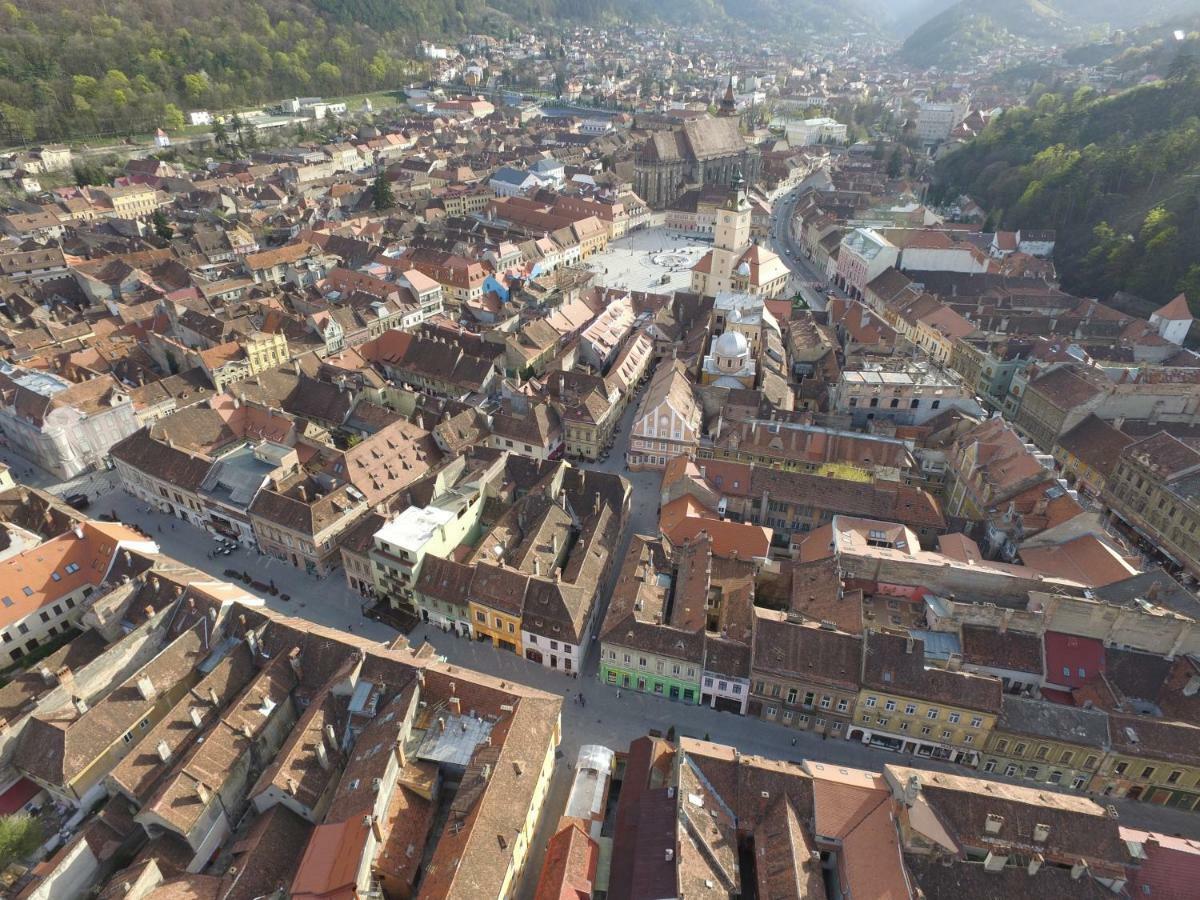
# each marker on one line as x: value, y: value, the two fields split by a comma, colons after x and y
x: 744, y: 269
x: 731, y: 344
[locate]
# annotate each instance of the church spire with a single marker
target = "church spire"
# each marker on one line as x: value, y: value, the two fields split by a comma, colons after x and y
x: 728, y: 102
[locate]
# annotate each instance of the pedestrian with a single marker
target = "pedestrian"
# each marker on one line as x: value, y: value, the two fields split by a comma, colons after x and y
x: 618, y: 693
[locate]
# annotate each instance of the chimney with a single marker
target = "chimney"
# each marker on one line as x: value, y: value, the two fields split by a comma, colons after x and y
x: 202, y: 793
x: 993, y: 823
x: 64, y: 676
x: 331, y: 737
x: 1035, y: 863
x: 292, y: 786
x: 441, y: 723
x: 80, y: 705
x: 908, y: 645
x: 456, y: 706
x: 322, y: 756
x: 197, y: 716
x: 294, y: 661
x: 669, y: 854
x: 1040, y: 833
x: 537, y: 568
x: 213, y: 698
x: 146, y: 688
x: 47, y: 675
x: 163, y: 751
x: 247, y: 731
x: 1078, y: 869
x: 912, y: 789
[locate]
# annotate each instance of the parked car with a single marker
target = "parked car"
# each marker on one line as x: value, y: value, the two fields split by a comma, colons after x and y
x: 78, y: 501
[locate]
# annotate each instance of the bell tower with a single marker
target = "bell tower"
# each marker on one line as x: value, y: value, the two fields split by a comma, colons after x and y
x: 728, y: 107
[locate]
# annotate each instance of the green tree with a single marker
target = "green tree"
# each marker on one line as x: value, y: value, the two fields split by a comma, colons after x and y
x: 381, y: 193
x: 895, y: 164
x: 161, y: 226
x: 20, y: 835
x: 172, y: 117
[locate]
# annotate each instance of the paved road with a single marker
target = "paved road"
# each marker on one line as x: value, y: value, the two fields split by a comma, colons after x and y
x: 784, y: 243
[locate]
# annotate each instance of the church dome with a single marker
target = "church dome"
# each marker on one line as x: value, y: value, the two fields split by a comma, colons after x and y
x: 744, y: 269
x: 731, y: 345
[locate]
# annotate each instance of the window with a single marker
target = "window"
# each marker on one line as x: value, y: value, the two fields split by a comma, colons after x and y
x: 70, y: 603
x: 903, y: 725
x: 843, y: 705
x: 889, y: 705
x: 499, y: 622
x: 910, y: 709
x: 946, y: 735
x: 1148, y: 772
x: 127, y: 737
x: 953, y: 718
x: 480, y: 617
x: 881, y: 722
x: 926, y: 730
x: 787, y: 715
x: 758, y: 687
x: 771, y: 712
x: 533, y: 639
x: 23, y: 628
x: 658, y: 688
x: 1055, y: 777
x: 826, y: 702
x: 932, y: 714
x: 866, y: 719
x: 989, y: 766
x: 71, y: 568
x: 1019, y: 750
x: 791, y: 696
x: 641, y: 662
x: 1001, y: 746
x: 808, y: 698
x: 7, y: 637
x: 627, y: 657
x: 1090, y: 762
x: 968, y: 738
x: 1010, y: 770
x: 1043, y: 752
x: 1120, y: 768
x: 1079, y: 782
x: 1174, y: 777
x: 871, y: 701
x: 512, y: 628
x: 976, y: 722
x: 27, y: 591
x: 675, y: 669
x: 775, y: 690
x: 737, y: 688
x: 554, y: 645
x: 44, y: 616
x: 1031, y: 772
x: 612, y: 677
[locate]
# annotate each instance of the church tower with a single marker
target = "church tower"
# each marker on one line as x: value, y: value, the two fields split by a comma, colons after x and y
x: 728, y: 107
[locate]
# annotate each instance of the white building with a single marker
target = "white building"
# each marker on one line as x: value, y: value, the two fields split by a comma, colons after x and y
x: 1173, y: 321
x: 935, y: 121
x: 821, y: 130
x: 200, y: 117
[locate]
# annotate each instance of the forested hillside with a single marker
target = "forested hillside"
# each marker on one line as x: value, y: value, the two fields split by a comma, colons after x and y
x: 971, y: 27
x: 1118, y: 178
x: 111, y: 66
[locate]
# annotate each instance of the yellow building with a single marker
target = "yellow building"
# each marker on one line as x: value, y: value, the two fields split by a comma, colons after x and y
x: 496, y: 602
x: 1030, y: 742
x: 1153, y: 760
x: 909, y: 707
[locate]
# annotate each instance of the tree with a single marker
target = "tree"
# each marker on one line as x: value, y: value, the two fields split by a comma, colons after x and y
x: 895, y: 164
x: 20, y: 835
x: 161, y: 226
x: 220, y: 135
x: 172, y: 117
x: 381, y: 193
